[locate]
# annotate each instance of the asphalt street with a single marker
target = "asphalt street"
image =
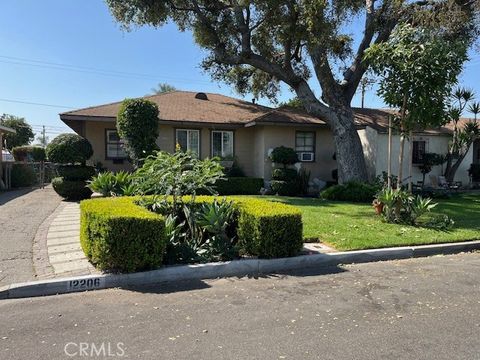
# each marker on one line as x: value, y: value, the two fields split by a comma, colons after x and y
x: 426, y: 308
x: 21, y: 213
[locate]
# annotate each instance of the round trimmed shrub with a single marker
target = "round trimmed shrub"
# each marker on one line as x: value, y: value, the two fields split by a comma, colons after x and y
x: 69, y: 149
x: 29, y: 153
x: 284, y: 155
x: 71, y: 189
x: 23, y: 175
x: 75, y: 172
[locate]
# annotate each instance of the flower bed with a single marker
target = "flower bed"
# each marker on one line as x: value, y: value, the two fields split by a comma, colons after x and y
x: 118, y: 234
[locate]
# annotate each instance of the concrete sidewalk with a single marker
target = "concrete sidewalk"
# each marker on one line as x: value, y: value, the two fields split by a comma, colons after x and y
x: 60, y: 242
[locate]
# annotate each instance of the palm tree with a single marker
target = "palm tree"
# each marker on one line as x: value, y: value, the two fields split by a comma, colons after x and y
x: 474, y: 108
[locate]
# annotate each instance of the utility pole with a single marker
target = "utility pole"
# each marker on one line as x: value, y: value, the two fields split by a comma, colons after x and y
x: 44, y: 138
x: 365, y: 83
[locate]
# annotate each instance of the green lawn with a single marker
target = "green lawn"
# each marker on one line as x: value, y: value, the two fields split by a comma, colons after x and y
x: 349, y: 226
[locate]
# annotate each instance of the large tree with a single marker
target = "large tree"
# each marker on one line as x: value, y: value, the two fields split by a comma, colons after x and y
x: 24, y: 134
x: 259, y: 44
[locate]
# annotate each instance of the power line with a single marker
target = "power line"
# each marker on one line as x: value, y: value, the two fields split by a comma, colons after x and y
x: 91, y: 70
x: 38, y: 104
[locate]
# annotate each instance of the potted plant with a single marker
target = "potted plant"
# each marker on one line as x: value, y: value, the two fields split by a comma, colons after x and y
x: 378, y: 206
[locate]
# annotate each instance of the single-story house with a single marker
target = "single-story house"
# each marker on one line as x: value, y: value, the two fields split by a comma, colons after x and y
x: 217, y: 125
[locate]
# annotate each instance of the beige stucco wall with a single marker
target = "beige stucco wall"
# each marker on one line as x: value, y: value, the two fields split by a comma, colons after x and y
x: 95, y: 133
x: 274, y: 136
x: 252, y: 146
x: 434, y: 144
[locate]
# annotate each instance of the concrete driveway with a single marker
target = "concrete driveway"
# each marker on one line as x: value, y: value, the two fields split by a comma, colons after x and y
x: 425, y: 308
x: 21, y: 213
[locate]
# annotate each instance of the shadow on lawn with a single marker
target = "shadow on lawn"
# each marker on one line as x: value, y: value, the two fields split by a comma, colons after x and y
x: 188, y: 285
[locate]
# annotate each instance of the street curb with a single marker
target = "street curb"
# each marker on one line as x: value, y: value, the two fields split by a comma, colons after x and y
x: 251, y: 267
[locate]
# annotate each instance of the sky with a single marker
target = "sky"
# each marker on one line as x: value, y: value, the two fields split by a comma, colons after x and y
x: 68, y: 54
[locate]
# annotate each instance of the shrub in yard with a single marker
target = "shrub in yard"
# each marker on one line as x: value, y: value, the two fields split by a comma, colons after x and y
x: 239, y: 186
x: 137, y: 125
x: 269, y: 229
x: 75, y: 172
x: 352, y: 191
x: 284, y: 174
x: 69, y: 149
x: 23, y: 175
x: 284, y: 155
x: 263, y: 228
x: 29, y: 153
x: 71, y: 189
x: 399, y: 206
x: 118, y: 235
x: 113, y: 184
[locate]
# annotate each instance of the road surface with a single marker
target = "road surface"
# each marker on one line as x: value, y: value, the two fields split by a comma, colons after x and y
x: 425, y: 308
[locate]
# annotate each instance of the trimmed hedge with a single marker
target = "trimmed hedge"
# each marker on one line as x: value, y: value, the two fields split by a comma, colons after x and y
x: 269, y: 229
x: 29, y: 153
x: 118, y: 235
x: 23, y: 175
x: 71, y: 189
x: 239, y: 186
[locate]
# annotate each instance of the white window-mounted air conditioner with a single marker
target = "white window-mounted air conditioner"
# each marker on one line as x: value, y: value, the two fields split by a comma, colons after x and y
x: 306, y: 156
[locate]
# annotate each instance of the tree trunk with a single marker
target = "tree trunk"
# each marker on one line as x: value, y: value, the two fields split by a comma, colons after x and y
x: 348, y: 147
x: 453, y: 167
x: 350, y: 158
x: 410, y: 163
x: 400, y: 161
x: 389, y: 163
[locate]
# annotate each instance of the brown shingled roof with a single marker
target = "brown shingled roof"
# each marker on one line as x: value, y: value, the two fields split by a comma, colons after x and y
x: 183, y: 106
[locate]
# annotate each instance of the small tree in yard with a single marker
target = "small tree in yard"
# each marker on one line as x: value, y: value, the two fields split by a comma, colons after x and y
x: 257, y: 45
x: 137, y: 125
x: 24, y: 134
x: 463, y: 136
x: 429, y: 160
x: 417, y: 69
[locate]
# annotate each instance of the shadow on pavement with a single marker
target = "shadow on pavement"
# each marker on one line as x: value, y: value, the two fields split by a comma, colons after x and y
x: 187, y: 285
x: 6, y: 196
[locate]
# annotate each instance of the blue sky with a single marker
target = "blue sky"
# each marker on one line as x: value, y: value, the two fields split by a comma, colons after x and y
x: 98, y: 62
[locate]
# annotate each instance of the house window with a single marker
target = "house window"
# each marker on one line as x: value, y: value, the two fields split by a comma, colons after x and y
x: 189, y: 140
x: 222, y: 144
x: 114, y: 145
x: 418, y: 151
x: 305, y: 145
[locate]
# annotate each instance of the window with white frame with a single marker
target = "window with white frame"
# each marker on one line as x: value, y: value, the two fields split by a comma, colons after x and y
x: 114, y: 145
x: 305, y: 145
x: 188, y: 140
x: 222, y: 144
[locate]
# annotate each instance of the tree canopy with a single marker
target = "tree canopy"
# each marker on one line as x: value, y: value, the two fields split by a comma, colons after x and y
x: 24, y: 134
x: 258, y: 44
x: 163, y: 88
x: 417, y: 71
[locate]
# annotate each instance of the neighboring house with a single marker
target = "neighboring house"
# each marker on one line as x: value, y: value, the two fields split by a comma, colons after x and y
x: 217, y: 125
